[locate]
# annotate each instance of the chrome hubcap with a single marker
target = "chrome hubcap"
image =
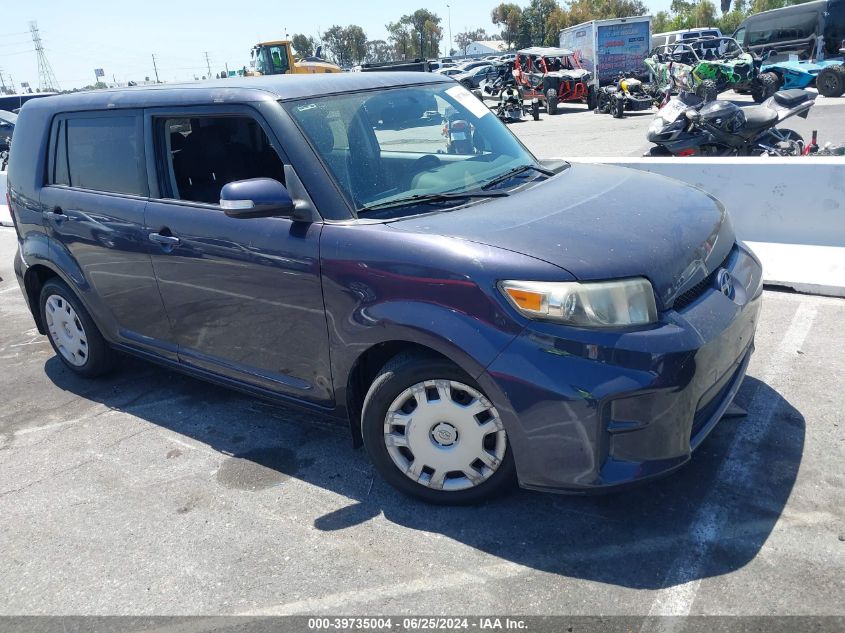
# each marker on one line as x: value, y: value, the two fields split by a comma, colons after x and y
x: 66, y: 330
x: 444, y: 435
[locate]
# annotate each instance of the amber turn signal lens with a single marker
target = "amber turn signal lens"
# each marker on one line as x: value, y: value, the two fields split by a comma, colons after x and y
x: 526, y: 300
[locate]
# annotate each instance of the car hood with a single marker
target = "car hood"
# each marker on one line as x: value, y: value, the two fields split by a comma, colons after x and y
x: 601, y: 222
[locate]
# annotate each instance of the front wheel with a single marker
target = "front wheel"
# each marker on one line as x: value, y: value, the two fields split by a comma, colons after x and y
x: 432, y: 433
x: 830, y: 82
x: 764, y: 86
x: 707, y: 90
x: 551, y: 101
x: 618, y: 108
x: 72, y: 333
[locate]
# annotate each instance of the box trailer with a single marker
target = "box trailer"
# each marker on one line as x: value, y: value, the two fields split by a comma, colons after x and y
x: 609, y: 47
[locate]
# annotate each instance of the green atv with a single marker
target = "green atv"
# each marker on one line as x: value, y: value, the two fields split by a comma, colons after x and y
x: 708, y: 66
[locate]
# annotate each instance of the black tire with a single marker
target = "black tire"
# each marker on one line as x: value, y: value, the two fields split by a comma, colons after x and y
x: 707, y: 90
x: 551, y: 101
x: 618, y: 108
x: 99, y: 358
x: 592, y: 99
x: 657, y: 151
x: 764, y: 86
x: 395, y: 377
x: 603, y: 102
x: 830, y: 82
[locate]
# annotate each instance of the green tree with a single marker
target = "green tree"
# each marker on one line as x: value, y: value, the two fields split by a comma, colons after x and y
x: 507, y: 15
x: 378, y: 51
x: 335, y: 46
x: 399, y: 35
x: 303, y: 45
x: 523, y: 36
x: 660, y: 22
x: 356, y: 42
x: 423, y: 23
x: 537, y: 16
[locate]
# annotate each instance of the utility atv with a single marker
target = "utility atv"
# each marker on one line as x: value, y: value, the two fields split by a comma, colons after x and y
x: 708, y: 66
x: 828, y: 76
x: 552, y: 75
x: 626, y: 94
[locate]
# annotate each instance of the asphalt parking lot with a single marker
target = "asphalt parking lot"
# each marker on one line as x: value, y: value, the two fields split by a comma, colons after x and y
x: 578, y: 132
x: 153, y: 493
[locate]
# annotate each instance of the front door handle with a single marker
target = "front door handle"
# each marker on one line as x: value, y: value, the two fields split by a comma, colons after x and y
x: 165, y: 240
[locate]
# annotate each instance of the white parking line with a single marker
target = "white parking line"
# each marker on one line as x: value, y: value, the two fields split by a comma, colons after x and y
x: 344, y: 599
x: 683, y: 579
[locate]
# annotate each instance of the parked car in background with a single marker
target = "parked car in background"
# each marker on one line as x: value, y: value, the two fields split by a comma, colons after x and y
x: 813, y: 30
x: 476, y: 315
x: 450, y: 71
x: 467, y: 66
x: 668, y: 38
x: 473, y: 78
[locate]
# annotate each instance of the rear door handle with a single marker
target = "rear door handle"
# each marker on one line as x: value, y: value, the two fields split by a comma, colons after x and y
x: 165, y: 240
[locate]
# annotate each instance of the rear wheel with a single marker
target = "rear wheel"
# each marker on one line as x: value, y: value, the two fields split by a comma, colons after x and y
x: 764, y: 86
x: 551, y: 101
x: 432, y: 433
x: 792, y: 142
x: 830, y: 82
x: 72, y: 333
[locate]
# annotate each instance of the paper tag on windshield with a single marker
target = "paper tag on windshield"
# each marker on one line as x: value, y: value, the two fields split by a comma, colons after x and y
x: 468, y: 100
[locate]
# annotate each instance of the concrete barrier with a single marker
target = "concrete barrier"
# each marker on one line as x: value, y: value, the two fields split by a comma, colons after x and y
x: 5, y: 216
x: 790, y: 210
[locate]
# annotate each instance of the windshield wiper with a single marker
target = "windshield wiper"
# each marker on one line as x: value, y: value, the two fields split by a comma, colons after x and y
x: 518, y: 170
x: 431, y: 197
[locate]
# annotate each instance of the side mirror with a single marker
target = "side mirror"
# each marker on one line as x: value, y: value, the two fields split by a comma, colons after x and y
x: 256, y: 198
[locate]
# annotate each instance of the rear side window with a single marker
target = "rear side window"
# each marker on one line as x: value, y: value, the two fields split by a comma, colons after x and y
x: 99, y: 153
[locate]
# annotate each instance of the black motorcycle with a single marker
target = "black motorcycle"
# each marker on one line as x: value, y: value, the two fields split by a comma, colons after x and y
x: 686, y: 126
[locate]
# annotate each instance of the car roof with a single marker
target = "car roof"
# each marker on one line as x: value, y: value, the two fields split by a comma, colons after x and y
x: 233, y: 90
x: 546, y: 51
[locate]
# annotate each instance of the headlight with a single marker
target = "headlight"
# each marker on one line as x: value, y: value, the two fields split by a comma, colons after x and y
x: 603, y: 304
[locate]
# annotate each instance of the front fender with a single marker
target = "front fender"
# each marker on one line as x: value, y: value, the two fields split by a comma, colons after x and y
x: 382, y: 285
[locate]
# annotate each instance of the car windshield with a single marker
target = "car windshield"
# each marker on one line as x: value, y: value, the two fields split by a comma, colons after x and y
x: 411, y: 144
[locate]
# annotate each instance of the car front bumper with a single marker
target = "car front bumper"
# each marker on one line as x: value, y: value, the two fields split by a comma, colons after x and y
x: 591, y: 410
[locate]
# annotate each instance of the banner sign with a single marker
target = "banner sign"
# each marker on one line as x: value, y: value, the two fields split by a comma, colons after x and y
x: 622, y: 48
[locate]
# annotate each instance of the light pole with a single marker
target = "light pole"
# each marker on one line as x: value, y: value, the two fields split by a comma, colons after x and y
x: 449, y: 10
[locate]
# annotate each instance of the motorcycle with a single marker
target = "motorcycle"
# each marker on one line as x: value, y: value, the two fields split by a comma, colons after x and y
x: 503, y: 79
x: 686, y: 126
x: 511, y: 106
x: 624, y: 94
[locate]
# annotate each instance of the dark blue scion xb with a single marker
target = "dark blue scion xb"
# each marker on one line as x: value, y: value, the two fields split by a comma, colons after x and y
x: 381, y: 248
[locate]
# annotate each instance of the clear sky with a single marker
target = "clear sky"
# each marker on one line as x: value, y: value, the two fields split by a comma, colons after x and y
x: 120, y: 36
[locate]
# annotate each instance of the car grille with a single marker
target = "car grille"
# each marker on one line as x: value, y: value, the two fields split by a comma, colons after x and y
x: 691, y: 294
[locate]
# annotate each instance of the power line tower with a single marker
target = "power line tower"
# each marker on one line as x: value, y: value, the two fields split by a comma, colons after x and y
x: 47, y: 81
